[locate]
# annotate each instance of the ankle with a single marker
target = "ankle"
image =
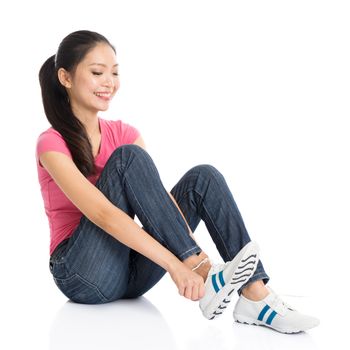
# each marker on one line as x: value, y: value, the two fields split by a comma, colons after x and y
x: 193, y: 260
x: 203, y: 268
x: 199, y: 264
x: 255, y: 291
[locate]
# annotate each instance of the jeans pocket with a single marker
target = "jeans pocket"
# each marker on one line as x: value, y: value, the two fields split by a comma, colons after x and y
x: 79, y: 290
x: 57, y: 269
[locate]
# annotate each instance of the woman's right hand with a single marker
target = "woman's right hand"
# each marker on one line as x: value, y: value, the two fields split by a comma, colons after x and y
x: 189, y: 283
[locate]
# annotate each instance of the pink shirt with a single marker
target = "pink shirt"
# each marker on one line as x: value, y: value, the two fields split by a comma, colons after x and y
x: 62, y: 214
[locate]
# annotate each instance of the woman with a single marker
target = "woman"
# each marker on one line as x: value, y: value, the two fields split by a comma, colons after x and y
x: 96, y: 175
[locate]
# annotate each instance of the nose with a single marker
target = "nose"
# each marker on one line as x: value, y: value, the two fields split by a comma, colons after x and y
x: 109, y: 82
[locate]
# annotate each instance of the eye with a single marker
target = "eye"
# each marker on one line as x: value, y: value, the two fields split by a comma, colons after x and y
x: 116, y: 74
x: 96, y: 73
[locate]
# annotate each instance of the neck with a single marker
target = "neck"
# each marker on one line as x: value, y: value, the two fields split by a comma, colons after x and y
x: 89, y: 119
x: 92, y: 126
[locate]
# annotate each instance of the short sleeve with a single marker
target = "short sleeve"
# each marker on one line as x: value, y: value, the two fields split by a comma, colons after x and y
x: 51, y: 141
x: 126, y: 133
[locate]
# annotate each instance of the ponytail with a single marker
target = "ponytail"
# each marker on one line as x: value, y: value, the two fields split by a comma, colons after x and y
x: 61, y: 117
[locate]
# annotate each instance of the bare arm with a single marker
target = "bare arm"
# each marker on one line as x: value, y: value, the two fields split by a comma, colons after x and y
x: 98, y: 209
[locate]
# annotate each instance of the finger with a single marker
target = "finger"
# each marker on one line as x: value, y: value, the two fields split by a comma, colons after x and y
x: 181, y: 290
x: 201, y: 291
x: 195, y: 291
x: 188, y: 292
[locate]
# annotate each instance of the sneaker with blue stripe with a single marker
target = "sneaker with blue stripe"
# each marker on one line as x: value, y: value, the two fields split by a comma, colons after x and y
x: 224, y: 279
x: 272, y: 312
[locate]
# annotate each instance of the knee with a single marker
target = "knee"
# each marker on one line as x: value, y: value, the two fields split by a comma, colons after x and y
x: 206, y: 170
x: 124, y: 154
x: 130, y: 149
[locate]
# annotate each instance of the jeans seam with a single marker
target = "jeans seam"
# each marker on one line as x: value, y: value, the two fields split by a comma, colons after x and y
x: 206, y: 212
x: 217, y: 175
x: 193, y: 190
x: 185, y: 194
x: 92, y: 285
x: 195, y: 249
x: 154, y: 226
x: 186, y: 254
x: 141, y: 209
x: 156, y: 232
x: 217, y: 231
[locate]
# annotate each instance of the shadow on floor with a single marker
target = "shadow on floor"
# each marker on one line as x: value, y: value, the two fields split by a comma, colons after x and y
x: 124, y: 324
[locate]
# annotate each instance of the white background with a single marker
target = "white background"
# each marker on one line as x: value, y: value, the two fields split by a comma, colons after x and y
x: 259, y: 89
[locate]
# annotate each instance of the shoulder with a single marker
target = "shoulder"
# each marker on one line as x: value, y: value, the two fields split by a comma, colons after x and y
x: 115, y: 125
x: 120, y: 131
x: 51, y: 140
x: 49, y: 134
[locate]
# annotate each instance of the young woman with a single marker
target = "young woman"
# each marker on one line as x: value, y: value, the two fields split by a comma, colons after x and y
x: 95, y: 176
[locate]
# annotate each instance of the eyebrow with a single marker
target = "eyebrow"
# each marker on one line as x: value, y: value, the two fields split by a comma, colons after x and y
x: 102, y: 64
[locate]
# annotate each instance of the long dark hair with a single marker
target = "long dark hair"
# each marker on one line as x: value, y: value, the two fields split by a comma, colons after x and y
x: 71, y: 51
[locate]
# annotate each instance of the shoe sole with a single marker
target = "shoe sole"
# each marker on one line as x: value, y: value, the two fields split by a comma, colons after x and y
x: 249, y: 321
x: 247, y: 259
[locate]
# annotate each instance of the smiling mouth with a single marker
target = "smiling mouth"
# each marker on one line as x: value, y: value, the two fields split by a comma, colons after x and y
x: 103, y: 94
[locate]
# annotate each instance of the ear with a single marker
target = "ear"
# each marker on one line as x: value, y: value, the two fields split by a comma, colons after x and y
x: 64, y: 78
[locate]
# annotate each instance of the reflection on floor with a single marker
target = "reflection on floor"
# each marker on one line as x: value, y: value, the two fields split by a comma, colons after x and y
x: 125, y: 324
x: 138, y: 324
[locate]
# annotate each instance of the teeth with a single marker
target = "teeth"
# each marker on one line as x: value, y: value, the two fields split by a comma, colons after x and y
x: 104, y: 94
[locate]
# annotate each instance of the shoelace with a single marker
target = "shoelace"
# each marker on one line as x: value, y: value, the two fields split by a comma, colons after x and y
x: 217, y: 268
x: 279, y: 304
x: 204, y: 261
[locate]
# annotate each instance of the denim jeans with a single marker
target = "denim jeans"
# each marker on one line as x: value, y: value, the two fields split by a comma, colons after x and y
x: 92, y: 267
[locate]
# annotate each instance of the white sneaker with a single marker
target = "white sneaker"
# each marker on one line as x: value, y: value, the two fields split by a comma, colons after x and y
x: 224, y: 279
x: 274, y: 313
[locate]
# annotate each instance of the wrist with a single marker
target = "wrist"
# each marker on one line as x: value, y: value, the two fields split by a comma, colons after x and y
x: 172, y: 264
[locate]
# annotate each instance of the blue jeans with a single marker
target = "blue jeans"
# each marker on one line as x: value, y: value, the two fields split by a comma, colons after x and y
x: 92, y: 267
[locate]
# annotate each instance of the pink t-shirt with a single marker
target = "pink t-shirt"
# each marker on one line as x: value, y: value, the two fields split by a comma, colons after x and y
x: 62, y: 214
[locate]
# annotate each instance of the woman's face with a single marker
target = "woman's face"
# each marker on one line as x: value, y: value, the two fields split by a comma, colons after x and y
x: 95, y: 81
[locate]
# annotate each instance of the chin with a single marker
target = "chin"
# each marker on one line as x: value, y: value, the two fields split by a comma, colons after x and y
x: 102, y: 108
